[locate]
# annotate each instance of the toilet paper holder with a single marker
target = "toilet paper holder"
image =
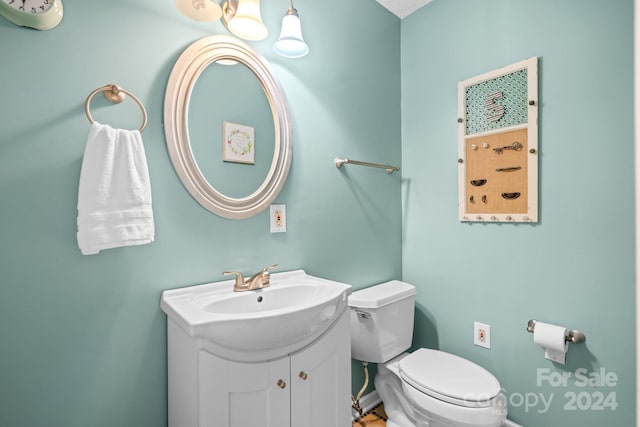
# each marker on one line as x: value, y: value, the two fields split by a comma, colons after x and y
x: 572, y: 336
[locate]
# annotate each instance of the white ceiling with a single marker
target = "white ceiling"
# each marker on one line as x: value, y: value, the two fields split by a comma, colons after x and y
x: 402, y: 8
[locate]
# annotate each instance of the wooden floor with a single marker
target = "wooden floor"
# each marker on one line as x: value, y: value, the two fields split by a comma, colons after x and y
x: 376, y: 417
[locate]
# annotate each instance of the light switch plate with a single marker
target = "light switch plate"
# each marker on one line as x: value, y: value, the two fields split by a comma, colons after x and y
x: 278, y: 218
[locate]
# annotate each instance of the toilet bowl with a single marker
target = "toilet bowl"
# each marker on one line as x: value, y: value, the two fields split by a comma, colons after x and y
x: 426, y: 388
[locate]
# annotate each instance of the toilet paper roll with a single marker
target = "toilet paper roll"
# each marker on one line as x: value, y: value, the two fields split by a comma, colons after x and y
x: 551, y: 339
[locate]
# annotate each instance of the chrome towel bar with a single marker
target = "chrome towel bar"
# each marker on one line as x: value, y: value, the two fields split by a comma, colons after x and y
x: 390, y: 169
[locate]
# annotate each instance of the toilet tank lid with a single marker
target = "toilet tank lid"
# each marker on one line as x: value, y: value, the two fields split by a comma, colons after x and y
x: 381, y: 295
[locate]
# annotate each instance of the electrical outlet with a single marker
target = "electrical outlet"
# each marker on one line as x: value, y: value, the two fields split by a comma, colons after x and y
x: 278, y: 216
x: 482, y: 335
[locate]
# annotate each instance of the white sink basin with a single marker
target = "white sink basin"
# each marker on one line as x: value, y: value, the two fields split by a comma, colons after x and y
x: 258, y: 325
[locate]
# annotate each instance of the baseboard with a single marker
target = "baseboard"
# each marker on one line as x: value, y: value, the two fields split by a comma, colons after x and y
x: 367, y: 402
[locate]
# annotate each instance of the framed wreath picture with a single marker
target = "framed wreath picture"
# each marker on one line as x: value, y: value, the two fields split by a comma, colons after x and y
x: 498, y: 145
x: 238, y: 143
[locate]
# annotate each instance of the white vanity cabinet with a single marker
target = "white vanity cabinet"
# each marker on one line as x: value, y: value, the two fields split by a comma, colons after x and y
x: 321, y: 380
x: 308, y: 388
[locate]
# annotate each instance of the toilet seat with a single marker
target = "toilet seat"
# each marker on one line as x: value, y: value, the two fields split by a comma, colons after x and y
x: 449, y: 378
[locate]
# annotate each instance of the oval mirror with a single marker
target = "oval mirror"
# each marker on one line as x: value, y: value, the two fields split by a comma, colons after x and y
x: 223, y: 152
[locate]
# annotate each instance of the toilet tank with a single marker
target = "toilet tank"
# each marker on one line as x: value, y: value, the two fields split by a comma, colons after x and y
x: 381, y: 321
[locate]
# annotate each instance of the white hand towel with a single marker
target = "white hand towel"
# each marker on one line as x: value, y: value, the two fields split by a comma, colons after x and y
x: 114, y: 196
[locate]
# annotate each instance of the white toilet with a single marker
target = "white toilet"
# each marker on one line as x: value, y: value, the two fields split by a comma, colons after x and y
x: 426, y: 388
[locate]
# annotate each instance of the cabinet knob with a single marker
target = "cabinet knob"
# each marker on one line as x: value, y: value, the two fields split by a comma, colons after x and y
x: 281, y: 384
x: 303, y: 375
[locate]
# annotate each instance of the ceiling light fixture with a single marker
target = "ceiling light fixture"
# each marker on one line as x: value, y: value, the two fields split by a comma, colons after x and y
x: 291, y: 44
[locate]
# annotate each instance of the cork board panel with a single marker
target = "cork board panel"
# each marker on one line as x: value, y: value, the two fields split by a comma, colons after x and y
x: 500, y: 176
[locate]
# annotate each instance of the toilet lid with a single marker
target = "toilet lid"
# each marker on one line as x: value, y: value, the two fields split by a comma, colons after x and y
x: 450, y: 378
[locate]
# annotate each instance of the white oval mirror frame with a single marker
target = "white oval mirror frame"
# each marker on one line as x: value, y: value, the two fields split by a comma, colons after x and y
x: 184, y: 75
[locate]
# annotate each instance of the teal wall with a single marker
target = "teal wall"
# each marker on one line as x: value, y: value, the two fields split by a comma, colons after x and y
x: 576, y: 266
x: 82, y: 337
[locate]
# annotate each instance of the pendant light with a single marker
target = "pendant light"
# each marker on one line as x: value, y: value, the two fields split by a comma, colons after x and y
x: 291, y: 44
x: 199, y: 10
x: 242, y: 18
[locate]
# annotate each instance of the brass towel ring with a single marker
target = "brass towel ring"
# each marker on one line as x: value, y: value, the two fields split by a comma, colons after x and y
x: 115, y: 94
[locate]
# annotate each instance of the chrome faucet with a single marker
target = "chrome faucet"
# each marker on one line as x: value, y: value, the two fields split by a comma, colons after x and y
x: 257, y: 281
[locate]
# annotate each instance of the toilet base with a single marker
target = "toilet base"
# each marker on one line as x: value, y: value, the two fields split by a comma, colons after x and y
x: 408, y: 407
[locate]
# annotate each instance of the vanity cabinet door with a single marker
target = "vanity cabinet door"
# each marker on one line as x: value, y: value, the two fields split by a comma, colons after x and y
x: 238, y: 394
x: 321, y: 380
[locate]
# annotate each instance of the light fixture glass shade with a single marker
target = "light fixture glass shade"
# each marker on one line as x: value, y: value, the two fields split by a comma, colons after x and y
x: 247, y: 21
x: 199, y: 10
x: 291, y: 44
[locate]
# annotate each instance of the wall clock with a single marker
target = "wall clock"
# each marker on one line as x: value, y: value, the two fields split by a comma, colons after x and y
x: 38, y: 14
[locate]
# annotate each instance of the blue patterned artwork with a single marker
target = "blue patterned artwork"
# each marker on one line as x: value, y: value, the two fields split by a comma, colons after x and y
x: 497, y: 103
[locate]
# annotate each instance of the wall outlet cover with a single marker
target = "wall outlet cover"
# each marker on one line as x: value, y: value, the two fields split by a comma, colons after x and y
x: 278, y: 218
x: 482, y: 334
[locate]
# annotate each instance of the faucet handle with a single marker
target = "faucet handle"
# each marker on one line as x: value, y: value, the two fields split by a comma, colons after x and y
x: 239, y: 278
x: 266, y: 275
x: 264, y: 270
